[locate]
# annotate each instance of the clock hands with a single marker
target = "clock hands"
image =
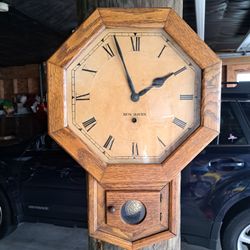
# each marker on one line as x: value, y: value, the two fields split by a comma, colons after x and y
x: 156, y: 83
x: 159, y: 81
x: 134, y: 96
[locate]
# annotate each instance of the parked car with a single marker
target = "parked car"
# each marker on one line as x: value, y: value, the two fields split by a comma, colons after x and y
x: 215, y: 185
x: 39, y: 182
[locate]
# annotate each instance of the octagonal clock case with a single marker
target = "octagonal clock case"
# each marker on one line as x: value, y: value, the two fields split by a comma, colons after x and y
x: 133, y: 96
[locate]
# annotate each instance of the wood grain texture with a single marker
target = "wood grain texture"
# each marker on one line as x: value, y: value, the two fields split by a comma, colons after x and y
x: 151, y: 201
x: 139, y: 18
x: 185, y: 153
x: 109, y: 226
x: 20, y: 86
x: 79, y: 151
x: 83, y: 35
x: 173, y: 235
x: 26, y: 71
x: 140, y: 175
x: 211, y: 97
x: 19, y: 80
x: 134, y: 177
x: 189, y: 41
x: 96, y: 205
x: 55, y: 98
x: 92, y: 204
x: 123, y: 178
x: 33, y: 85
x: 151, y: 223
x: 7, y: 90
x: 174, y: 204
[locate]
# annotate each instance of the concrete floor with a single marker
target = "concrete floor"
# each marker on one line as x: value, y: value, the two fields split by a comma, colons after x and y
x: 38, y: 236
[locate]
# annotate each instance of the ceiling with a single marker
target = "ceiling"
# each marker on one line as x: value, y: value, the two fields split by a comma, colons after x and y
x: 32, y: 30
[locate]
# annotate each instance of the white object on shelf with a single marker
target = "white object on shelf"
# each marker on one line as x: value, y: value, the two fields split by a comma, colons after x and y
x: 4, y: 7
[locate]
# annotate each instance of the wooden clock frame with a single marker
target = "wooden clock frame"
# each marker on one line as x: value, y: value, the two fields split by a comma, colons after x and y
x: 131, y: 177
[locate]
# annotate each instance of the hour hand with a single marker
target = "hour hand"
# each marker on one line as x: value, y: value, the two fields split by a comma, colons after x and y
x: 159, y: 81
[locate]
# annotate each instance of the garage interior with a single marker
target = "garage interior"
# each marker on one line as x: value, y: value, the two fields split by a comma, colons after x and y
x: 31, y: 31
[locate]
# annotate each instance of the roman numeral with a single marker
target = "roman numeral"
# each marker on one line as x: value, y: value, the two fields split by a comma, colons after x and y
x: 186, y: 97
x: 108, y: 49
x: 161, y: 142
x: 89, y: 124
x: 109, y: 143
x: 135, y: 151
x: 84, y: 97
x: 135, y: 41
x: 90, y: 70
x: 162, y: 51
x: 179, y: 123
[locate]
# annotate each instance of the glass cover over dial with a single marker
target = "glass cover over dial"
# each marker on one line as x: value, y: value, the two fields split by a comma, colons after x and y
x: 133, y: 96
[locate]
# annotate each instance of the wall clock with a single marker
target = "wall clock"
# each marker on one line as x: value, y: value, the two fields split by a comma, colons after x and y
x: 134, y: 95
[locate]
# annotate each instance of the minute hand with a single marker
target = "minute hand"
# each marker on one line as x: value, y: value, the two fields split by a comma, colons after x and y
x: 159, y: 81
x: 134, y: 96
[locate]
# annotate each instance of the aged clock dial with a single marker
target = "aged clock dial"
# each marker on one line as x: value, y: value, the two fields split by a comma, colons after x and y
x: 133, y: 95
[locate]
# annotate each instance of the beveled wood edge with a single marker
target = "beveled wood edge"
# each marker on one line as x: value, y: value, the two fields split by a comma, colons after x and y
x: 55, y: 91
x: 211, y: 97
x: 92, y: 204
x: 103, y: 18
x: 134, y: 17
x: 93, y: 218
x: 185, y: 153
x: 156, y: 176
x: 95, y: 192
x: 134, y: 177
x: 159, y: 180
x: 58, y: 129
x: 164, y: 206
x: 125, y: 235
x: 80, y: 152
x: 95, y: 228
x: 174, y: 207
x: 119, y: 233
x: 83, y: 35
x: 189, y: 41
x: 166, y: 235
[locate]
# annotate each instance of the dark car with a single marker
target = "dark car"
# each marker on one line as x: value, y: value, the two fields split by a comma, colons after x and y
x: 40, y: 182
x: 216, y: 184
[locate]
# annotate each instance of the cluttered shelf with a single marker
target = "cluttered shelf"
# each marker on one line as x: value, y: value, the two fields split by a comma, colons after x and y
x: 22, y: 118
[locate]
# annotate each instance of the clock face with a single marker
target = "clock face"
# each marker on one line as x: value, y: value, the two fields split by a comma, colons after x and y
x: 133, y: 96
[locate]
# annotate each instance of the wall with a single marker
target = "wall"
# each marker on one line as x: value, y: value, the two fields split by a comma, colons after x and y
x: 19, y: 80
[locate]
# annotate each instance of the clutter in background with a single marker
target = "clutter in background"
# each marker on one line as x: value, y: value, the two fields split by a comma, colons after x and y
x: 22, y: 104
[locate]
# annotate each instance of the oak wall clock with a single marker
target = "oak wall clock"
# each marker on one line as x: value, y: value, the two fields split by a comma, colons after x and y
x: 134, y: 95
